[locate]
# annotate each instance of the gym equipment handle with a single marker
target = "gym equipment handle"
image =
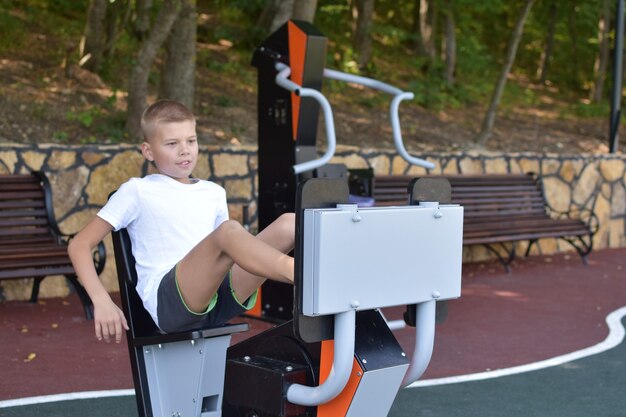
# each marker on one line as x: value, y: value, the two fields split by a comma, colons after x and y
x: 399, y: 96
x: 340, y: 371
x: 281, y: 79
x: 424, y: 341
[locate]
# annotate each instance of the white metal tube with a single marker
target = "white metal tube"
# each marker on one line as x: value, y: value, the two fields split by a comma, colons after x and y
x: 397, y: 134
x: 340, y: 371
x: 399, y: 96
x: 282, y: 78
x: 424, y: 341
x: 331, y: 140
x: 357, y: 79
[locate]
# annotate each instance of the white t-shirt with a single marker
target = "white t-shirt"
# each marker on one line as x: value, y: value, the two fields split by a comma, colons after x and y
x: 165, y: 219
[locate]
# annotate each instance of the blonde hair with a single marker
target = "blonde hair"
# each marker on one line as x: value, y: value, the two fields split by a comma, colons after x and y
x: 164, y: 111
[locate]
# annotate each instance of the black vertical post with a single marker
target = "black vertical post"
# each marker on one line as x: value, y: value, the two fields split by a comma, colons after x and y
x: 287, y: 133
x: 616, y: 99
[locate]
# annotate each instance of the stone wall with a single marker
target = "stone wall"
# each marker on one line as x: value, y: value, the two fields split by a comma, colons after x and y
x: 83, y: 176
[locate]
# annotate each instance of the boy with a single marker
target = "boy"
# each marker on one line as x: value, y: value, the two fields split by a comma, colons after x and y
x: 195, y: 267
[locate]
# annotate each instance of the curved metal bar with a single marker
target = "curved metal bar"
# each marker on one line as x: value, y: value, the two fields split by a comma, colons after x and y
x: 340, y: 371
x: 331, y: 140
x: 397, y: 134
x: 399, y: 96
x: 357, y: 79
x: 424, y: 341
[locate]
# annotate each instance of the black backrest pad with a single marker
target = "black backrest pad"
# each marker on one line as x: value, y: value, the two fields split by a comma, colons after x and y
x: 139, y: 320
x: 313, y: 193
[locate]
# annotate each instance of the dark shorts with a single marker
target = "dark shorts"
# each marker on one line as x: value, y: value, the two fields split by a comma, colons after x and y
x: 175, y: 316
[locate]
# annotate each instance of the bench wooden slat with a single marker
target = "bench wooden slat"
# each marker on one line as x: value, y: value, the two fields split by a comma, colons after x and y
x: 7, y: 214
x: 24, y: 231
x: 494, y: 213
x: 482, y: 240
x: 36, y: 272
x: 28, y: 240
x: 24, y: 222
x: 22, y: 204
x: 557, y: 229
x: 33, y: 254
x: 22, y: 186
x: 12, y: 262
x: 22, y: 195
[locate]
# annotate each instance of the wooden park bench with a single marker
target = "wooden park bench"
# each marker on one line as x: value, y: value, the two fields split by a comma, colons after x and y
x: 500, y: 210
x: 31, y: 245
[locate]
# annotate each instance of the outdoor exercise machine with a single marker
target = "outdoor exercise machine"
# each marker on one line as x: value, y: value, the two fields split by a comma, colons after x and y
x: 337, y: 357
x: 291, y: 70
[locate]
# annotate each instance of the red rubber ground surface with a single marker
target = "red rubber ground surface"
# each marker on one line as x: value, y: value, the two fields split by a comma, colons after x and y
x: 546, y: 307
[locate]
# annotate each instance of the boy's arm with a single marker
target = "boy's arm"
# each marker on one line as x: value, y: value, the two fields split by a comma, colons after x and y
x: 109, y: 320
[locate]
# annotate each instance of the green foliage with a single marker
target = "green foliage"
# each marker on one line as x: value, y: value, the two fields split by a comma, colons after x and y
x: 10, y: 29
x: 84, y: 117
x: 483, y: 30
x: 585, y: 109
x: 224, y: 101
x: 61, y: 137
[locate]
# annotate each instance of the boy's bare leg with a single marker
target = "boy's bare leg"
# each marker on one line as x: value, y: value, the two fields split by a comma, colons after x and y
x: 280, y: 235
x: 201, y: 272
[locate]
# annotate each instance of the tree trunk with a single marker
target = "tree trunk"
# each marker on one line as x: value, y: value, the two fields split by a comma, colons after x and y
x: 601, y: 62
x: 275, y: 14
x: 423, y: 26
x: 142, y: 21
x: 93, y: 41
x: 573, y: 34
x: 450, y: 43
x: 546, y: 54
x: 177, y: 77
x: 363, y: 31
x: 117, y: 18
x: 138, y: 88
x: 490, y: 116
x: 304, y: 10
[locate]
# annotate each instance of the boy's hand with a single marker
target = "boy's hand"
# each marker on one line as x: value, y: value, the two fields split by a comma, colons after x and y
x: 109, y: 321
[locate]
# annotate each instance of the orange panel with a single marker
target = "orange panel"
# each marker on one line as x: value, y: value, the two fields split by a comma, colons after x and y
x: 297, y: 51
x: 339, y: 406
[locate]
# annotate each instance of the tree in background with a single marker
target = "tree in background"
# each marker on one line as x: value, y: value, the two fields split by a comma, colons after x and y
x: 175, y: 28
x: 463, y: 46
x: 304, y: 10
x: 92, y: 44
x: 602, y: 59
x: 179, y: 68
x: 450, y: 44
x: 141, y: 26
x: 277, y: 12
x: 546, y: 53
x: 105, y: 23
x: 138, y: 86
x: 490, y: 116
x: 424, y: 28
x: 363, y: 12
